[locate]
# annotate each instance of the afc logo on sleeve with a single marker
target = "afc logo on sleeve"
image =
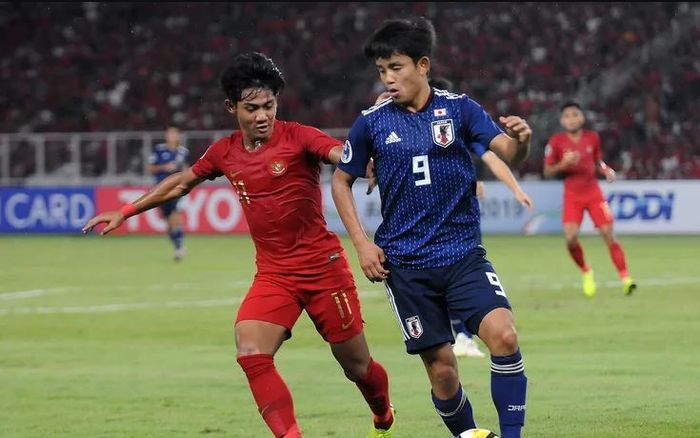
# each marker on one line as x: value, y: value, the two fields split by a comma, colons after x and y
x: 347, y: 152
x: 443, y: 132
x: 415, y: 328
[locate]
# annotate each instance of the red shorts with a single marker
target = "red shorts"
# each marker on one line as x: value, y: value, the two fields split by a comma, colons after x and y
x: 329, y: 298
x: 597, y: 206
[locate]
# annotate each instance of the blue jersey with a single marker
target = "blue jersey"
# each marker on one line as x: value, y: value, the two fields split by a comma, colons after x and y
x: 426, y: 177
x: 162, y: 154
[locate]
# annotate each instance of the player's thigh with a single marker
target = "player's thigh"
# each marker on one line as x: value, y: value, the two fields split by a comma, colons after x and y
x: 331, y: 301
x: 600, y: 212
x: 475, y: 289
x: 572, y: 210
x: 417, y: 300
x: 272, y: 299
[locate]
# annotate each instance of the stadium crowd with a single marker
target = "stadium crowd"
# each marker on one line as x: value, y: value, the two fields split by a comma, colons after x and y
x: 142, y: 66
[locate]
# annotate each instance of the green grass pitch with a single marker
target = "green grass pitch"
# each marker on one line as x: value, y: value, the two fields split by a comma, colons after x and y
x: 108, y: 337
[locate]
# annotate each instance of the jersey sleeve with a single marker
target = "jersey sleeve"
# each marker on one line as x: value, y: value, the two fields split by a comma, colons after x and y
x: 207, y: 165
x: 317, y: 142
x: 478, y: 148
x: 480, y: 127
x: 551, y: 153
x: 357, y: 150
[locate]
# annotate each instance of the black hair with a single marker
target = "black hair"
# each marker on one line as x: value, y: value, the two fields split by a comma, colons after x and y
x: 569, y: 104
x: 251, y: 70
x: 441, y: 83
x: 413, y: 37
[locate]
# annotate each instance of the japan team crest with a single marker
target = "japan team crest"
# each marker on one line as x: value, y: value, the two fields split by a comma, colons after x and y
x: 415, y: 328
x: 443, y: 132
x: 277, y: 167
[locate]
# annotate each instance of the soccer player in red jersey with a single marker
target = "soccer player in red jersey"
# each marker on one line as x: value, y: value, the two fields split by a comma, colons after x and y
x: 576, y: 155
x: 274, y: 166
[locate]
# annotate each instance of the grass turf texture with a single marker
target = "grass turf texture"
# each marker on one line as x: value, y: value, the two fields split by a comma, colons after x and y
x: 109, y: 337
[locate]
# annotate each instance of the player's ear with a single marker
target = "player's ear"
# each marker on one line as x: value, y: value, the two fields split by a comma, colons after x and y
x: 423, y: 66
x: 230, y: 107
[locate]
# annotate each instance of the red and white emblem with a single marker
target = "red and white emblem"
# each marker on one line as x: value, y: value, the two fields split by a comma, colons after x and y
x: 443, y: 132
x: 277, y: 167
x: 415, y: 328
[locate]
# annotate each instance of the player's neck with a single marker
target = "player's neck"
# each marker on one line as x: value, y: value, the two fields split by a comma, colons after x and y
x: 420, y: 101
x: 253, y: 144
x: 575, y: 135
x: 172, y: 147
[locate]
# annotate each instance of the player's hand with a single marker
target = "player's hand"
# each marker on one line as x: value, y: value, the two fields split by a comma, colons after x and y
x: 382, y: 97
x: 517, y: 128
x: 524, y: 199
x: 569, y: 158
x: 371, y: 176
x: 113, y: 219
x: 480, y: 189
x: 610, y: 175
x: 372, y: 262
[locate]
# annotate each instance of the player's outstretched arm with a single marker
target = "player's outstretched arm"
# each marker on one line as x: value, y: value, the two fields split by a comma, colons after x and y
x: 172, y: 187
x: 514, y: 146
x: 503, y: 173
x: 371, y: 256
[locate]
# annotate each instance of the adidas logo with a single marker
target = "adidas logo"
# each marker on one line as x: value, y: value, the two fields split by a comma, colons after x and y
x: 392, y: 138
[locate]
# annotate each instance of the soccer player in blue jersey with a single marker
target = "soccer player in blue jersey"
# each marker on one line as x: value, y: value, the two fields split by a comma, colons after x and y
x: 167, y: 159
x: 428, y: 248
x: 465, y: 345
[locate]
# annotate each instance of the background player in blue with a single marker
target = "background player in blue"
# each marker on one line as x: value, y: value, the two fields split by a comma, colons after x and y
x: 428, y: 247
x: 166, y: 159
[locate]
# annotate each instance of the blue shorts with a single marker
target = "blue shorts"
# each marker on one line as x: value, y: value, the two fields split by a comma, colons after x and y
x: 423, y: 300
x: 169, y: 207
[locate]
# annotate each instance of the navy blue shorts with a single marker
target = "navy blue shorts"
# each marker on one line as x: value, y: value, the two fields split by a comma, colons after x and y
x: 169, y: 207
x: 423, y: 300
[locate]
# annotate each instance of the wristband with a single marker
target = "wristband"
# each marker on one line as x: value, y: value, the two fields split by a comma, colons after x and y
x: 128, y: 210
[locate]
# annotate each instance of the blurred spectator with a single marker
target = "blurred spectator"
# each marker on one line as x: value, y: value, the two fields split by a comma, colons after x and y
x: 142, y: 66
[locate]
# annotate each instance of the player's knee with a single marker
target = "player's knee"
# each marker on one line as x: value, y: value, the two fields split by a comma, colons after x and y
x: 443, y: 374
x: 247, y: 348
x: 355, y: 372
x: 571, y: 242
x: 505, y: 343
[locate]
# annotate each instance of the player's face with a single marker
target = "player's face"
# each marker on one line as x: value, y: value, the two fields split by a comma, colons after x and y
x: 255, y: 113
x: 404, y: 80
x: 172, y: 136
x: 572, y: 119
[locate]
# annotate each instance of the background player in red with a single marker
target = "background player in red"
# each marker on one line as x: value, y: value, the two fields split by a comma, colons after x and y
x: 274, y: 166
x: 575, y: 153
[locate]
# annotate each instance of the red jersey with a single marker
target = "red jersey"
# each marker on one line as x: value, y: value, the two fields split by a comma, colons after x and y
x: 279, y: 190
x: 580, y: 177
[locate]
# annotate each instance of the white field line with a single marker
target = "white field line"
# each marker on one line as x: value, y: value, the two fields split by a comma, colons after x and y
x: 121, y: 307
x: 533, y: 283
x: 33, y: 293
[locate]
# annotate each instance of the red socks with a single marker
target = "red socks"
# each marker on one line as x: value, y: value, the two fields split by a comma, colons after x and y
x: 576, y: 253
x: 271, y: 394
x: 375, y: 389
x: 618, y: 257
